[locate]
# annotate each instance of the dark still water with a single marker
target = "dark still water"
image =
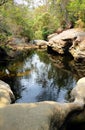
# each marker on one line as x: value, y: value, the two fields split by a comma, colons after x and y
x: 37, y: 78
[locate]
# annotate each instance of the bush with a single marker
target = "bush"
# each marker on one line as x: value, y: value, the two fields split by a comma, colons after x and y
x: 79, y: 24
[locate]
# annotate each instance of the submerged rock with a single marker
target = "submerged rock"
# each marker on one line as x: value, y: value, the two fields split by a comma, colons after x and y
x: 46, y: 115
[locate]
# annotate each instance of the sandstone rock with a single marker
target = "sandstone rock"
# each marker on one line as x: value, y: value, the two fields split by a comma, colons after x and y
x: 60, y: 42
x: 52, y: 35
x: 78, y: 93
x: 36, y: 116
x: 6, y: 95
x: 78, y: 48
x: 72, y: 40
x: 39, y: 43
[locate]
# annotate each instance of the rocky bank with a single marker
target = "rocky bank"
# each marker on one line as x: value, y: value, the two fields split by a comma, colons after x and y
x: 69, y: 41
x: 46, y: 115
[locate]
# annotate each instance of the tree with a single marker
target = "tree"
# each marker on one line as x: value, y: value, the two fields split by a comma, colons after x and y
x: 17, y: 18
x: 76, y: 10
x: 3, y: 2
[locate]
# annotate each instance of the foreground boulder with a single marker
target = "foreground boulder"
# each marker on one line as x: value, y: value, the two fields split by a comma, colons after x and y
x: 71, y: 41
x: 46, y: 115
x: 6, y: 94
x: 36, y: 116
x: 78, y: 93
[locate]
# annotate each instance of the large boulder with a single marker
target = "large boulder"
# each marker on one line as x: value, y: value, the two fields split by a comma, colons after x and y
x: 71, y: 40
x: 77, y: 94
x: 6, y: 94
x: 36, y: 116
x: 46, y: 115
x: 61, y: 42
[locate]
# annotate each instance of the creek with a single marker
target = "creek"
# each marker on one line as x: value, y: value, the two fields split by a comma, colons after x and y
x: 40, y: 76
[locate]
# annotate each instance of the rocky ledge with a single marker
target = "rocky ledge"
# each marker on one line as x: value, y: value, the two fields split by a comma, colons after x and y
x: 72, y: 41
x: 46, y: 115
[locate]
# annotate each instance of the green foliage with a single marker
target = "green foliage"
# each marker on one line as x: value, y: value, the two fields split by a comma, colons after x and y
x: 3, y: 2
x: 44, y: 24
x: 37, y: 22
x: 38, y: 34
x: 17, y: 18
x: 79, y: 24
x: 76, y: 9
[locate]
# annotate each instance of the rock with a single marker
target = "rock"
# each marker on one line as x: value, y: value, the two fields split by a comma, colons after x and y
x: 62, y: 41
x: 78, y: 93
x: 6, y: 95
x: 78, y: 48
x: 52, y: 35
x: 46, y: 115
x: 35, y: 116
x: 71, y: 40
x: 39, y: 43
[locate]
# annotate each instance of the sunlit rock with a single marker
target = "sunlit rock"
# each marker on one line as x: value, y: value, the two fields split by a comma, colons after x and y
x: 78, y: 93
x: 52, y: 35
x: 6, y: 95
x: 78, y: 48
x: 61, y: 42
x: 36, y: 116
x: 72, y: 41
x: 39, y: 43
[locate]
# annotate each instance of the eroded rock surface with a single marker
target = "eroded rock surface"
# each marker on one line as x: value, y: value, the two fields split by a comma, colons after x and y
x: 72, y: 40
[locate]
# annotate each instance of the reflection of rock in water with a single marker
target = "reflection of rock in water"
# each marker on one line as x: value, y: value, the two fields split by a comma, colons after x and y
x: 78, y: 69
x: 68, y: 64
x: 46, y: 79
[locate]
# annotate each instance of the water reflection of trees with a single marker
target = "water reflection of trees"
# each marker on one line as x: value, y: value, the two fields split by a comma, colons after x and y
x: 53, y: 80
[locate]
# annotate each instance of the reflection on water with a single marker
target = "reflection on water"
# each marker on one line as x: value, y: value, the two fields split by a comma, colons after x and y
x: 44, y: 82
x: 36, y: 78
x: 40, y: 77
